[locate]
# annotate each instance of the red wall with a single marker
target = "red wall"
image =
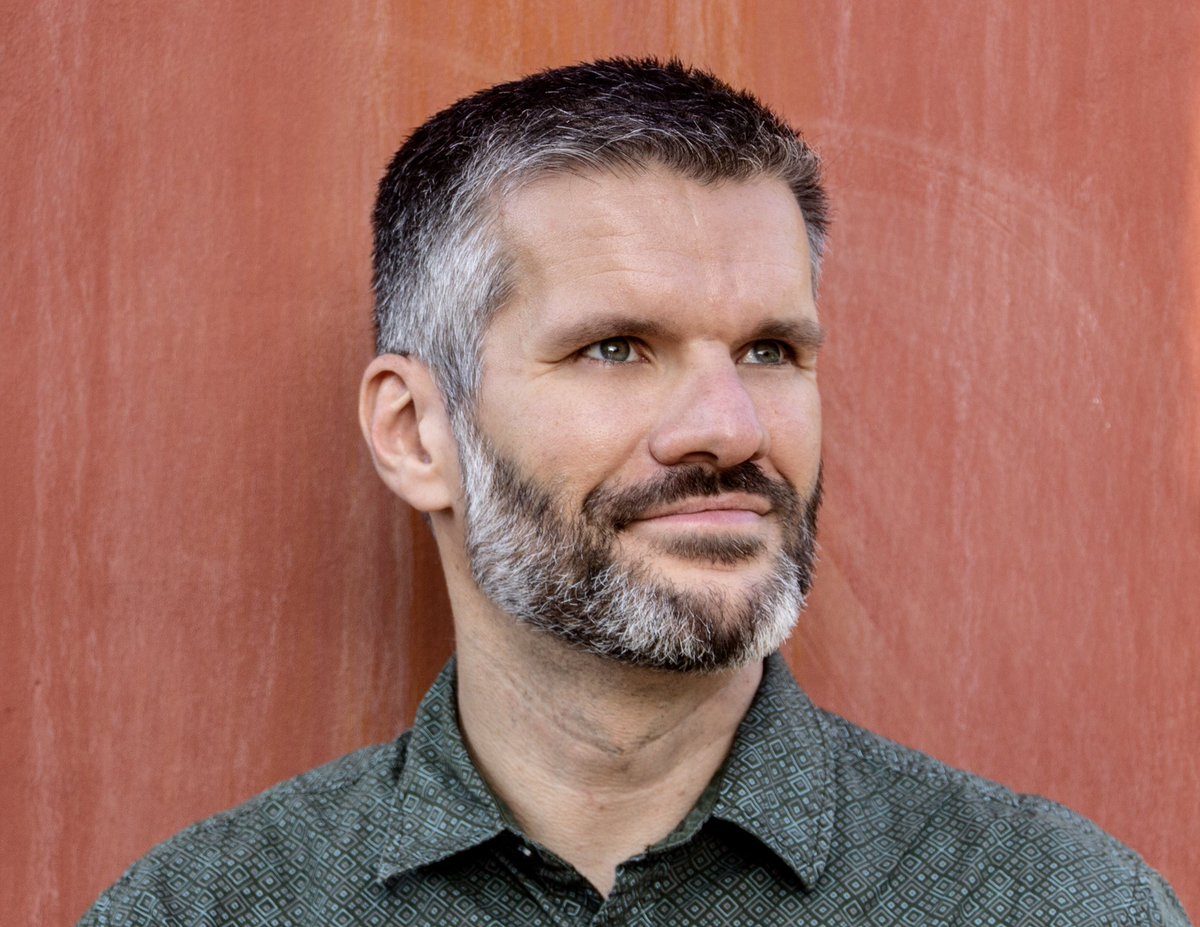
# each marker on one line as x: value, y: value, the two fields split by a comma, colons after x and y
x: 204, y: 589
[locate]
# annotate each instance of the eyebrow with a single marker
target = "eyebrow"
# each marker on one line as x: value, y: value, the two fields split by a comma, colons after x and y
x: 587, y: 331
x: 804, y: 333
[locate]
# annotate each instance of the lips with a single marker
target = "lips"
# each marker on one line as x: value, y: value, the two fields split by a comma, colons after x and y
x: 725, y: 507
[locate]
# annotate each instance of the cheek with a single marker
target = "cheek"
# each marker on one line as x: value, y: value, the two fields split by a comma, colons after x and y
x: 795, y: 427
x: 590, y: 444
x: 580, y: 437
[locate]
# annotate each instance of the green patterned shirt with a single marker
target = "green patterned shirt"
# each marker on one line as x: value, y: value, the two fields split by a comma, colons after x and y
x: 811, y: 821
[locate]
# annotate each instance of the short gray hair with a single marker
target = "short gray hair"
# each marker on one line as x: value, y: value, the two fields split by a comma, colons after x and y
x: 441, y: 271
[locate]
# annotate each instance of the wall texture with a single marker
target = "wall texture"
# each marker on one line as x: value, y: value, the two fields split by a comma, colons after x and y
x: 203, y: 589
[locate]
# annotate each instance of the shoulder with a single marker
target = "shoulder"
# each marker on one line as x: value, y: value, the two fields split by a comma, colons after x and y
x: 873, y: 772
x: 1021, y: 854
x: 271, y: 846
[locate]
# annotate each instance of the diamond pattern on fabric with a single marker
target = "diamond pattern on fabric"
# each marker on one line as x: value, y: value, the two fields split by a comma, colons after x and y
x: 811, y: 821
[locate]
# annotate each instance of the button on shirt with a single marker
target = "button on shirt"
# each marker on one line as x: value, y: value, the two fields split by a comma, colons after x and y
x: 810, y: 821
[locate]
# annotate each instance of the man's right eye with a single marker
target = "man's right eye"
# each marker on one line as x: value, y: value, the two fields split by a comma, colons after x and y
x: 612, y: 351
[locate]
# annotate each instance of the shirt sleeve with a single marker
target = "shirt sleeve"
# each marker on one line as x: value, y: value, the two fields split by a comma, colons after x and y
x: 1161, y: 905
x: 125, y: 905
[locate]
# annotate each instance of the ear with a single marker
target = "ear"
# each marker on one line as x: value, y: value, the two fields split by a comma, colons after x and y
x: 404, y: 420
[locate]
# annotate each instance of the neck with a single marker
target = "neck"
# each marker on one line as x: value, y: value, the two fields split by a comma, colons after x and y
x: 596, y: 760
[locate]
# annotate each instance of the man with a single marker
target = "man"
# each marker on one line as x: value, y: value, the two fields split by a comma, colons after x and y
x: 597, y: 375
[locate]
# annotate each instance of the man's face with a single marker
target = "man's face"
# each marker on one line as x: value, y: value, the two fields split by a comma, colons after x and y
x: 642, y: 473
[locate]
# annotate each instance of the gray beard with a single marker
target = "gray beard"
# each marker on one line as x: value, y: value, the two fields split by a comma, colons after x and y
x: 560, y: 574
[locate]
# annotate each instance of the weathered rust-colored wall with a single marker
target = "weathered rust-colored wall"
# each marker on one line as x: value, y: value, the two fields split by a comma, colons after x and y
x: 1013, y: 535
x: 204, y: 590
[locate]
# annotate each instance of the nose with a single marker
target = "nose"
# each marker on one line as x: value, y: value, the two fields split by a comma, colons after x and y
x: 709, y: 417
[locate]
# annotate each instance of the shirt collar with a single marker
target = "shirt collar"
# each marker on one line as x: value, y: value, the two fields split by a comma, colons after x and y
x: 443, y: 806
x: 777, y: 782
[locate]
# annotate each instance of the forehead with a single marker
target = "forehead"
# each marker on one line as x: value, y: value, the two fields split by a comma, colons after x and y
x: 654, y: 239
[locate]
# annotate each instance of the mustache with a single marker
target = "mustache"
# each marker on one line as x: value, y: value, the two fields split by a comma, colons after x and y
x: 615, y: 508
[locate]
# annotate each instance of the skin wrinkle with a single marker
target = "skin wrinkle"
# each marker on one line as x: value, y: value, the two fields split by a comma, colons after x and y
x: 581, y: 726
x: 634, y: 740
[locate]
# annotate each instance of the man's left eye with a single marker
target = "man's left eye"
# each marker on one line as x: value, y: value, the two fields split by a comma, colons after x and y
x: 768, y: 352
